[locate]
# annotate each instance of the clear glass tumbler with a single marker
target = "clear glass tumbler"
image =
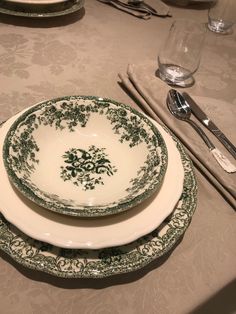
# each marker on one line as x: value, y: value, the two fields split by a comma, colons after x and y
x: 179, y: 57
x: 222, y: 16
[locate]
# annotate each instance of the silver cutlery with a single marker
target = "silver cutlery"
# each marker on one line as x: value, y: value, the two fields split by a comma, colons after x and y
x: 126, y: 5
x: 180, y: 109
x: 141, y: 3
x: 209, y: 124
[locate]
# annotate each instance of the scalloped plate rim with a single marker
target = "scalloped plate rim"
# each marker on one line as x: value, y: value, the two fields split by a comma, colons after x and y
x: 110, y: 262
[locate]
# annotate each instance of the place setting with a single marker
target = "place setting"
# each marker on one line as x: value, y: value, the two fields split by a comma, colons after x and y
x: 97, y: 198
x: 93, y: 187
x: 117, y: 156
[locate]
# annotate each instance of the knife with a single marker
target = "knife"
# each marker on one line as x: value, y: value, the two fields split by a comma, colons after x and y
x: 207, y: 122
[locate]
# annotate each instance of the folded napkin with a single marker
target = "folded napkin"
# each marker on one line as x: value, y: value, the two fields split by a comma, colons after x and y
x: 150, y: 93
x: 141, y: 10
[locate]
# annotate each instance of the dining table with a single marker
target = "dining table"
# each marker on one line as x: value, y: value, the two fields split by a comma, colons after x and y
x: 82, y: 53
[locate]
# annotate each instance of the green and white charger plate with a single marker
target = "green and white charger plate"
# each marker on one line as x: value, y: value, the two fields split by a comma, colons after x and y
x: 85, y: 156
x: 70, y: 263
x: 29, y: 11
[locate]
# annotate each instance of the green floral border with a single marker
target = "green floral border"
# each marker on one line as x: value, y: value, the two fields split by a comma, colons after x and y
x: 5, y: 9
x: 63, y: 113
x: 69, y: 263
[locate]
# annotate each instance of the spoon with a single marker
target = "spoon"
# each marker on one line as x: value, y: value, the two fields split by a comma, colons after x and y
x: 143, y: 4
x: 182, y: 111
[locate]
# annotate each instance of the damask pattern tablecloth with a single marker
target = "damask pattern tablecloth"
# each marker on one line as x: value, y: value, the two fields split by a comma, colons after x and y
x: 82, y: 54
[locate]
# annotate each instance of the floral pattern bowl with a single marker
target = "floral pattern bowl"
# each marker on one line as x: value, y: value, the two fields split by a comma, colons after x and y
x: 85, y: 156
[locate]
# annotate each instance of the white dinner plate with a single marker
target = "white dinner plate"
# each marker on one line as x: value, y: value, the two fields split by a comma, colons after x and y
x: 68, y: 232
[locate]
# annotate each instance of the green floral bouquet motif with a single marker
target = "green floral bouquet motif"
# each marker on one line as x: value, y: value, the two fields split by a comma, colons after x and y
x: 86, y: 168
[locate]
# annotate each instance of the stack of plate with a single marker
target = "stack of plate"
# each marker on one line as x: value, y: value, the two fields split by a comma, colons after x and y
x: 91, y: 188
x: 40, y: 8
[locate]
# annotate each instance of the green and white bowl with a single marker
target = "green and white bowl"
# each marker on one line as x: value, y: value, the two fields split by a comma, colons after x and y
x: 85, y: 156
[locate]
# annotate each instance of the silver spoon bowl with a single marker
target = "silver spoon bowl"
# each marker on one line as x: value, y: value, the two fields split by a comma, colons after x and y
x: 182, y: 111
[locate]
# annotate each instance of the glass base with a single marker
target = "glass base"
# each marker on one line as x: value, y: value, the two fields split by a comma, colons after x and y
x: 220, y: 27
x: 188, y: 82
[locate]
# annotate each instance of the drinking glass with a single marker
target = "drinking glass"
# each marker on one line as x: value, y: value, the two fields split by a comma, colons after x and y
x: 222, y: 16
x: 179, y: 57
